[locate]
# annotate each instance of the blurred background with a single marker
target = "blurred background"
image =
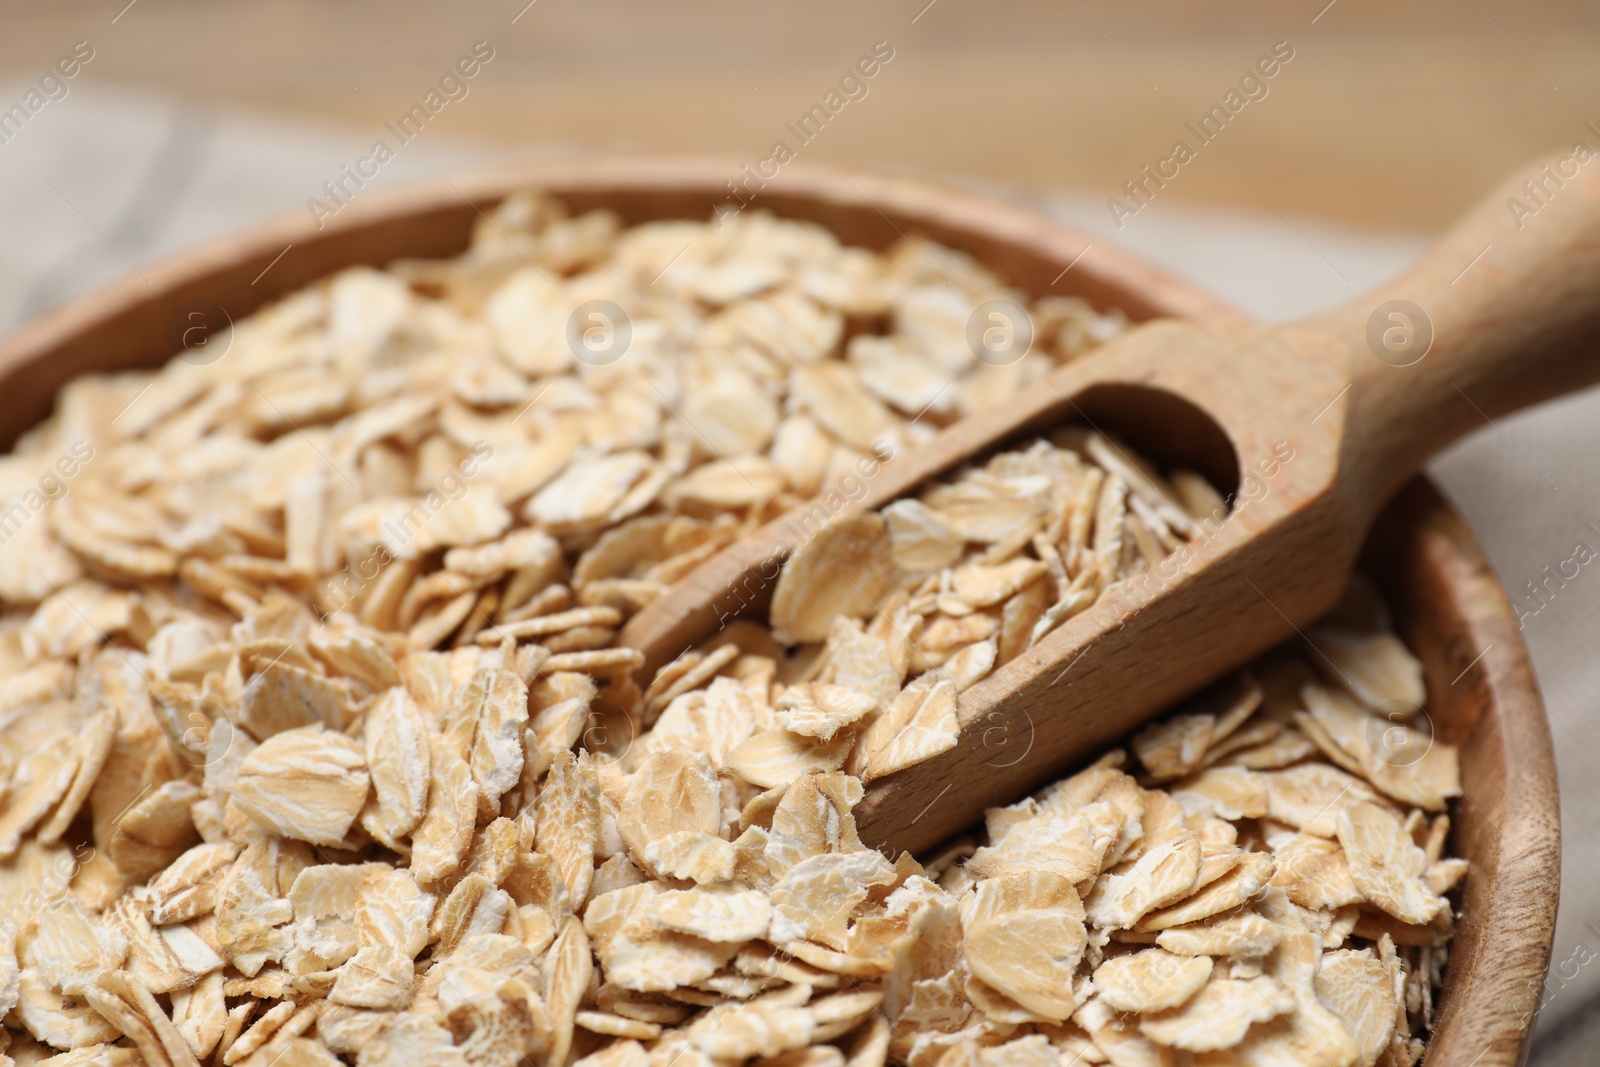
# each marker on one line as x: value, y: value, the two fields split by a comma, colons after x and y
x: 185, y: 120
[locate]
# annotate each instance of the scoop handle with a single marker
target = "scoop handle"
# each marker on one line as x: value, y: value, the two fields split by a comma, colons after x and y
x: 1501, y: 313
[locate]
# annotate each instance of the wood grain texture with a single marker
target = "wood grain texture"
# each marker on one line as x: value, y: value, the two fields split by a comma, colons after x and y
x: 1391, y: 115
x: 1447, y: 602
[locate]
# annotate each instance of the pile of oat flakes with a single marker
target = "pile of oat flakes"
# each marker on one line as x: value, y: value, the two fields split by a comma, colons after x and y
x: 316, y: 747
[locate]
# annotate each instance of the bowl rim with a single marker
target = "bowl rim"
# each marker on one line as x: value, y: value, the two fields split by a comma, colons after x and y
x: 115, y: 325
x: 1483, y: 694
x: 1508, y: 919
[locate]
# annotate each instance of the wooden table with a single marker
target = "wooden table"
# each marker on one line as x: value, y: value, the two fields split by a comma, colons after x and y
x: 1389, y: 116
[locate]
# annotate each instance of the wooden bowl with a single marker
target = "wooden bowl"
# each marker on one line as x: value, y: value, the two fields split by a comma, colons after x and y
x: 1448, y: 604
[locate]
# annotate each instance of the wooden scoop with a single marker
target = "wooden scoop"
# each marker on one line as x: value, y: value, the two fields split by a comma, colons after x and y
x: 1315, y: 424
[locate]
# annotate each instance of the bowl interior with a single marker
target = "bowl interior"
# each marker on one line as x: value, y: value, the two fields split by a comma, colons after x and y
x: 1448, y: 605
